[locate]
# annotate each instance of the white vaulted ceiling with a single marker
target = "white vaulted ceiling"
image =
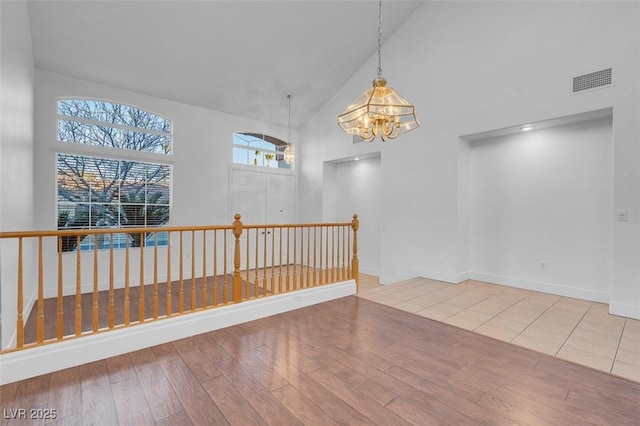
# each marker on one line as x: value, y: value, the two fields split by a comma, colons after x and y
x: 239, y: 57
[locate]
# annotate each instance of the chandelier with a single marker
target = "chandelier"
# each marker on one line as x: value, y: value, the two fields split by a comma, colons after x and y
x: 289, y: 154
x: 380, y: 111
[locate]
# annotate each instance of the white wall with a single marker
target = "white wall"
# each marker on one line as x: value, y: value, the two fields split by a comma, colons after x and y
x: 471, y: 67
x: 201, y: 172
x: 16, y: 151
x: 201, y: 140
x: 357, y: 185
x: 544, y: 196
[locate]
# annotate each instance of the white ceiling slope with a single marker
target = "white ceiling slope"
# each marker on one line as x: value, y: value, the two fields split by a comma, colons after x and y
x: 239, y: 57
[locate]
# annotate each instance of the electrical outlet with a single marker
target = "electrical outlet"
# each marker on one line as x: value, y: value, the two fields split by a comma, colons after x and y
x: 543, y: 265
x: 623, y: 216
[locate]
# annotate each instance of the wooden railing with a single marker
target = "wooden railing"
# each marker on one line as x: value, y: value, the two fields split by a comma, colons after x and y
x: 74, y: 288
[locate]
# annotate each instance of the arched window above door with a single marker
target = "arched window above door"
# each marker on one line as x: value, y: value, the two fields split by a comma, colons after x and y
x: 259, y: 150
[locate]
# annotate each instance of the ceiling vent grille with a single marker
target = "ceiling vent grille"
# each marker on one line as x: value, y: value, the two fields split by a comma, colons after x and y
x: 592, y: 80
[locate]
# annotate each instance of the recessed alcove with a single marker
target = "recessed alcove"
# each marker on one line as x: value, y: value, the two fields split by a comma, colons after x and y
x: 352, y: 185
x: 537, y: 205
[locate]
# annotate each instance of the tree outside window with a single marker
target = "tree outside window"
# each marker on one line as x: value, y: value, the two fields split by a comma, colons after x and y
x: 99, y: 192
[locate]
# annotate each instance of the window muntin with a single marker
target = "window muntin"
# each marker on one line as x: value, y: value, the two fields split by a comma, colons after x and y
x: 99, y: 192
x: 111, y: 125
x: 259, y: 150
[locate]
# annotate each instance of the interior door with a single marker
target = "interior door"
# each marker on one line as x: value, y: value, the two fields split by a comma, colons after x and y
x: 262, y: 198
x: 280, y: 203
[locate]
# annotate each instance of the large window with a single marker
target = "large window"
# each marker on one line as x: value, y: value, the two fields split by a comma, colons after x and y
x: 96, y: 191
x: 259, y: 150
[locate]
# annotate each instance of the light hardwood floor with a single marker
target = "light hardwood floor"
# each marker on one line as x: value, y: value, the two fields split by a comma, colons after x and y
x: 347, y: 361
x: 576, y: 330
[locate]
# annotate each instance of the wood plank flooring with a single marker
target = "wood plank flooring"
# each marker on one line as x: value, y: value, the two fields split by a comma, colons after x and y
x: 220, y: 286
x: 348, y: 361
x: 219, y: 291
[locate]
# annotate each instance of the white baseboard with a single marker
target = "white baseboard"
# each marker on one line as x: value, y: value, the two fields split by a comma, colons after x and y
x: 39, y: 360
x: 441, y: 276
x: 31, y: 301
x: 392, y: 279
x: 552, y: 288
x: 624, y: 310
x: 369, y: 271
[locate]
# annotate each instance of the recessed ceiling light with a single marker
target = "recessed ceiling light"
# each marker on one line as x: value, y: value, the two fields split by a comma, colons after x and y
x: 356, y: 158
x: 526, y: 128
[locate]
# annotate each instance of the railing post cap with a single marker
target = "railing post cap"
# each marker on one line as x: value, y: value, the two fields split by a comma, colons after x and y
x: 236, y: 216
x: 355, y: 215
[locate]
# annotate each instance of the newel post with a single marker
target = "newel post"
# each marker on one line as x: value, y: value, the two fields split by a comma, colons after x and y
x: 237, y: 280
x: 355, y: 224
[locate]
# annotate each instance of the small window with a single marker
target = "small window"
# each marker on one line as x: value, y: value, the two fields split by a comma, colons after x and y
x: 259, y: 150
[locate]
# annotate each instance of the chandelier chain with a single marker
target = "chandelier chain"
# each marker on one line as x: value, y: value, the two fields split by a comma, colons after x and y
x: 289, y: 137
x: 379, y: 111
x: 380, y: 38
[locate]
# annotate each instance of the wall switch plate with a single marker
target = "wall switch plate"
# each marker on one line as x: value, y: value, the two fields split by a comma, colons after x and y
x: 623, y: 216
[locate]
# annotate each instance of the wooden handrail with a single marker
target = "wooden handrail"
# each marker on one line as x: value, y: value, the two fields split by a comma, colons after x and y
x: 99, y: 289
x: 102, y: 231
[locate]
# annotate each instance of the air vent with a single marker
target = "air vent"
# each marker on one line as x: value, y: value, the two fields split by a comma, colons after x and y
x: 592, y: 80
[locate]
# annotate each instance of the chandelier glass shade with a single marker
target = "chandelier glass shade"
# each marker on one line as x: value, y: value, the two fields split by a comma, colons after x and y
x: 380, y: 111
x: 289, y: 154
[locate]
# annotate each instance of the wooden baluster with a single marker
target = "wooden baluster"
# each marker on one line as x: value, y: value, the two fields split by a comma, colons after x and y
x: 295, y: 251
x: 255, y: 281
x: 237, y: 280
x: 141, y: 283
x: 333, y: 249
x: 273, y: 259
x: 60, y: 302
x: 247, y: 280
x: 215, y: 268
x: 280, y: 264
x: 20, y: 320
x: 225, y: 284
x: 264, y: 263
x: 181, y: 288
x: 343, y: 275
x: 320, y: 273
x: 193, y: 270
x: 94, y: 314
x: 155, y: 276
x: 355, y: 267
x: 78, y: 288
x: 348, y: 252
x: 204, y: 269
x: 301, y: 274
x: 337, y: 228
x: 338, y: 255
x: 169, y: 306
x: 288, y: 284
x: 308, y: 256
x: 327, y: 271
x: 126, y: 281
x: 40, y: 324
x: 112, y: 306
x: 315, y: 256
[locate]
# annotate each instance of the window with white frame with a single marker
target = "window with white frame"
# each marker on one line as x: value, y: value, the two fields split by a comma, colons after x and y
x: 259, y: 150
x: 102, y: 183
